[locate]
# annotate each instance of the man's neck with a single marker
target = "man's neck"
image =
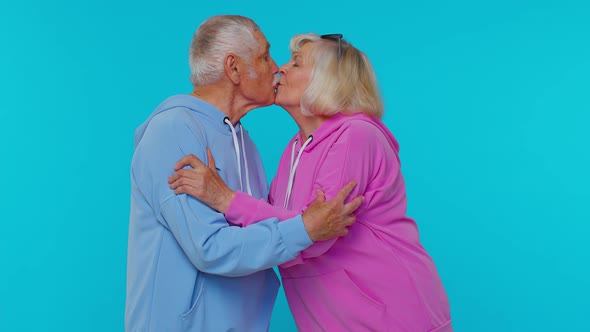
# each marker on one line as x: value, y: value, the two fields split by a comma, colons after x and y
x: 224, y: 99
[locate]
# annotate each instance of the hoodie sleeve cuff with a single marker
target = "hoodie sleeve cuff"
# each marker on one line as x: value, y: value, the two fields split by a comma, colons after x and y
x: 241, y: 208
x: 294, y: 235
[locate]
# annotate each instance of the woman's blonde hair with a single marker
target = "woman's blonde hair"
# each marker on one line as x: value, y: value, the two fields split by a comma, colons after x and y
x: 347, y: 85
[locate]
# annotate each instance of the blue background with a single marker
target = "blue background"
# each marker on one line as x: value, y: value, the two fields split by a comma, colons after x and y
x: 489, y: 100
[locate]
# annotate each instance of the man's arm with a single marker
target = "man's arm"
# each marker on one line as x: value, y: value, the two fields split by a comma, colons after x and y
x: 215, y: 247
x: 204, y: 235
x: 203, y: 182
x: 345, y: 162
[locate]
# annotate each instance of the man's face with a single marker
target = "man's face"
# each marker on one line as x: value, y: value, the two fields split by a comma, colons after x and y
x: 258, y: 82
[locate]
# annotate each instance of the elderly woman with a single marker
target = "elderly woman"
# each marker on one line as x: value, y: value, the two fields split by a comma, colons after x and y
x: 378, y: 277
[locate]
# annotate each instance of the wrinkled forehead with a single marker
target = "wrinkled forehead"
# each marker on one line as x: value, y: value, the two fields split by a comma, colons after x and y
x: 263, y: 44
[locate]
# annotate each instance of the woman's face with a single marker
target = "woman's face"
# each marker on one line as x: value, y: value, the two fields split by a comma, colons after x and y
x: 295, y: 76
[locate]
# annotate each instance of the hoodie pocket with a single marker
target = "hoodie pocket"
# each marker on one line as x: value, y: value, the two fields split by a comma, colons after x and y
x: 333, y: 302
x: 196, y: 297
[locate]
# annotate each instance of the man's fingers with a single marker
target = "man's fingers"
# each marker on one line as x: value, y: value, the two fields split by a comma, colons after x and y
x: 351, y: 206
x: 346, y: 222
x: 320, y: 196
x: 191, y: 160
x: 349, y: 220
x: 343, y: 232
x: 210, y: 160
x: 345, y: 191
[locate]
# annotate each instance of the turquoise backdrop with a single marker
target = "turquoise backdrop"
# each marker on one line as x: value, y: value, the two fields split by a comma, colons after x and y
x: 490, y: 101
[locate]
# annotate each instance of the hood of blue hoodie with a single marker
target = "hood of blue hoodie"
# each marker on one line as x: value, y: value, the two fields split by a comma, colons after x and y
x: 212, y: 115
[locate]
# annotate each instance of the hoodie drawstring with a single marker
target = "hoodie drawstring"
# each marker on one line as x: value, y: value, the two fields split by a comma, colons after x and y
x: 293, y: 167
x: 237, y: 149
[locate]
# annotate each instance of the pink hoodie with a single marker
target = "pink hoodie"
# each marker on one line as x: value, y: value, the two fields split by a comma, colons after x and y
x: 378, y: 277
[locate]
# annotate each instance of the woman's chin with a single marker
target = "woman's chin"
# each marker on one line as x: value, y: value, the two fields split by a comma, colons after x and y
x: 278, y: 101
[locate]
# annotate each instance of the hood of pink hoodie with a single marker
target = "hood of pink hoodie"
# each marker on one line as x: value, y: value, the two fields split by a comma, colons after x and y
x: 297, y: 147
x: 336, y: 122
x: 380, y: 264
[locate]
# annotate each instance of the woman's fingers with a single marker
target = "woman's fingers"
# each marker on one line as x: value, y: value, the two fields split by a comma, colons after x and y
x: 210, y: 160
x: 189, y: 160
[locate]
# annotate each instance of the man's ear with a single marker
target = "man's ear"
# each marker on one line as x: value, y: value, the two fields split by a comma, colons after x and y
x: 231, y: 66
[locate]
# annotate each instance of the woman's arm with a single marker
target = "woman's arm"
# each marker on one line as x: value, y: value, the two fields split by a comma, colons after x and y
x: 204, y: 183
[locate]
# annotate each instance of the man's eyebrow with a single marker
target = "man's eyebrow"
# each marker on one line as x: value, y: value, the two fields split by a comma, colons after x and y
x: 267, y: 50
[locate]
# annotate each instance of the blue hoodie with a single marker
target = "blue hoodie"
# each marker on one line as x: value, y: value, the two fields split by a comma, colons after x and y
x: 187, y: 268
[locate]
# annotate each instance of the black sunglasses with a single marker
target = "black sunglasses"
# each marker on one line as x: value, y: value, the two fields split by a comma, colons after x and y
x: 338, y: 37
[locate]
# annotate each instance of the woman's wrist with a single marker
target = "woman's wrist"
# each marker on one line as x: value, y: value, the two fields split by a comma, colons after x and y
x: 225, y: 200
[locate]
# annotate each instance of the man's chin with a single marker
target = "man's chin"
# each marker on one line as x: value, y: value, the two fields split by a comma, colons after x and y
x: 269, y: 102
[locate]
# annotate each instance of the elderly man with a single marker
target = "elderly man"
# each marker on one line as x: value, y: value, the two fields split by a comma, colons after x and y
x: 188, y: 269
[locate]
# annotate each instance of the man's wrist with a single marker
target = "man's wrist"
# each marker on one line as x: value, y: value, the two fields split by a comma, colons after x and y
x: 308, y: 227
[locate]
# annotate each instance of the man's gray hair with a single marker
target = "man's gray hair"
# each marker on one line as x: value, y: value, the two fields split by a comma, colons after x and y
x: 214, y: 39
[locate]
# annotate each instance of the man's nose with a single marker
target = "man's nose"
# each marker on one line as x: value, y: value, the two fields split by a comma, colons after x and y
x: 275, y: 68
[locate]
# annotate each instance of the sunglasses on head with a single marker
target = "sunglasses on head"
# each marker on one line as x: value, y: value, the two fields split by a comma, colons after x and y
x: 335, y: 36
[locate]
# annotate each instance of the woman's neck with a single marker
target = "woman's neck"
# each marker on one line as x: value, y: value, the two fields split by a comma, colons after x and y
x: 307, y: 123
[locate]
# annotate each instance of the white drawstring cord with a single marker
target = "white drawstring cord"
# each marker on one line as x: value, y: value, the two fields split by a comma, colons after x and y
x: 293, y: 167
x: 237, y: 149
x: 289, y: 182
x: 245, y: 161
